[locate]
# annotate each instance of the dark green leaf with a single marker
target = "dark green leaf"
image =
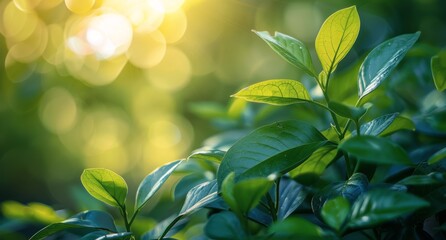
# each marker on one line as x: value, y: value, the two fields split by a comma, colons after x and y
x: 430, y: 179
x: 94, y: 220
x: 296, y: 228
x: 291, y: 196
x: 382, y: 60
x: 275, y: 148
x: 335, y: 211
x: 350, y: 190
x: 116, y: 236
x: 350, y: 112
x: 199, y: 197
x: 438, y: 67
x: 438, y: 156
x: 224, y: 226
x: 290, y: 49
x: 105, y: 185
x: 381, y: 205
x: 185, y: 184
x: 153, y: 182
x: 275, y: 92
x: 310, y: 170
x: 375, y: 150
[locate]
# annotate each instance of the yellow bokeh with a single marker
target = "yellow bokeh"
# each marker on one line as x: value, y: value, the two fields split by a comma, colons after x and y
x: 147, y: 49
x: 80, y: 6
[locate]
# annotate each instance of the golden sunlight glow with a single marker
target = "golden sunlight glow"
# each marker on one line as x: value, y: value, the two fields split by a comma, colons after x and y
x: 58, y: 110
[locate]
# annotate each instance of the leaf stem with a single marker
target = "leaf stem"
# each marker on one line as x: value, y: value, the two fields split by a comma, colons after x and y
x: 272, y: 208
x: 133, y: 217
x: 170, y: 227
x: 276, y: 206
x: 124, y: 215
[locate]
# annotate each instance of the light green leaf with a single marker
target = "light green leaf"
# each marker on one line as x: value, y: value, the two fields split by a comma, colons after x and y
x: 382, y: 205
x: 208, y: 155
x: 153, y: 182
x: 105, y: 185
x: 381, y: 61
x: 272, y: 149
x: 88, y: 220
x: 290, y: 49
x: 296, y: 228
x: 375, y: 150
x: 310, y: 170
x: 275, y: 92
x: 438, y: 67
x: 335, y: 211
x: 224, y: 226
x: 350, y: 112
x: 336, y: 37
x: 199, y: 196
x: 438, y: 156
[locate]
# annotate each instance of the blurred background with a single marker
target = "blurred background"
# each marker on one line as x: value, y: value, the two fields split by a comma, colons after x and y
x: 129, y: 85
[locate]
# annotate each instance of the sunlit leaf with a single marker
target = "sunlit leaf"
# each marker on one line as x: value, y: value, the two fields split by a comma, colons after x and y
x: 381, y: 205
x: 209, y: 155
x: 438, y: 67
x: 224, y: 226
x: 335, y: 211
x: 153, y: 182
x: 336, y: 37
x: 275, y: 148
x: 382, y: 60
x: 438, y: 156
x: 275, y: 92
x: 400, y: 123
x: 290, y: 49
x: 296, y: 228
x: 310, y: 170
x: 105, y: 185
x: 375, y: 150
x: 89, y: 220
x: 199, y: 196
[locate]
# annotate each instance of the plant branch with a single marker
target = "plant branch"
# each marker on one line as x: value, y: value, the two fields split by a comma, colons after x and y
x: 170, y: 227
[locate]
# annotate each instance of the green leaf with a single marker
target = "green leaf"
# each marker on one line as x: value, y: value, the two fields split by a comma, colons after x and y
x: 430, y: 179
x: 199, y: 196
x: 116, y: 236
x: 275, y: 148
x: 310, y: 170
x: 375, y: 150
x: 159, y: 229
x: 336, y: 37
x: 438, y: 156
x: 93, y: 220
x: 275, y: 92
x: 350, y: 112
x: 291, y: 196
x: 224, y: 226
x: 296, y: 228
x: 400, y: 123
x: 105, y: 185
x: 290, y: 49
x: 381, y: 61
x: 153, y: 182
x: 377, y: 125
x: 438, y: 67
x: 208, y: 155
x: 335, y: 211
x: 246, y: 194
x: 381, y: 205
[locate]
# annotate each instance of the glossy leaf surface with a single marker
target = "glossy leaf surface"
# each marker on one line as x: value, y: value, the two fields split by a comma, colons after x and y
x: 275, y: 92
x: 291, y: 196
x: 153, y: 182
x: 296, y: 228
x: 275, y: 148
x: 381, y: 205
x: 290, y: 49
x: 336, y: 37
x: 105, y: 185
x: 375, y: 150
x: 335, y: 211
x: 224, y: 225
x: 382, y: 60
x: 199, y: 196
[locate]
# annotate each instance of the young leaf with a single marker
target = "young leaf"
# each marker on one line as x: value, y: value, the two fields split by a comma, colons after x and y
x: 209, y: 155
x: 375, y: 150
x: 291, y: 196
x: 382, y: 205
x: 438, y: 156
x: 275, y: 92
x: 335, y: 211
x: 336, y: 37
x: 296, y: 228
x: 290, y: 49
x: 350, y: 112
x: 223, y: 226
x: 153, y: 182
x: 275, y: 148
x: 438, y: 67
x: 89, y: 220
x: 381, y: 61
x: 200, y: 196
x: 105, y: 185
x: 310, y: 170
